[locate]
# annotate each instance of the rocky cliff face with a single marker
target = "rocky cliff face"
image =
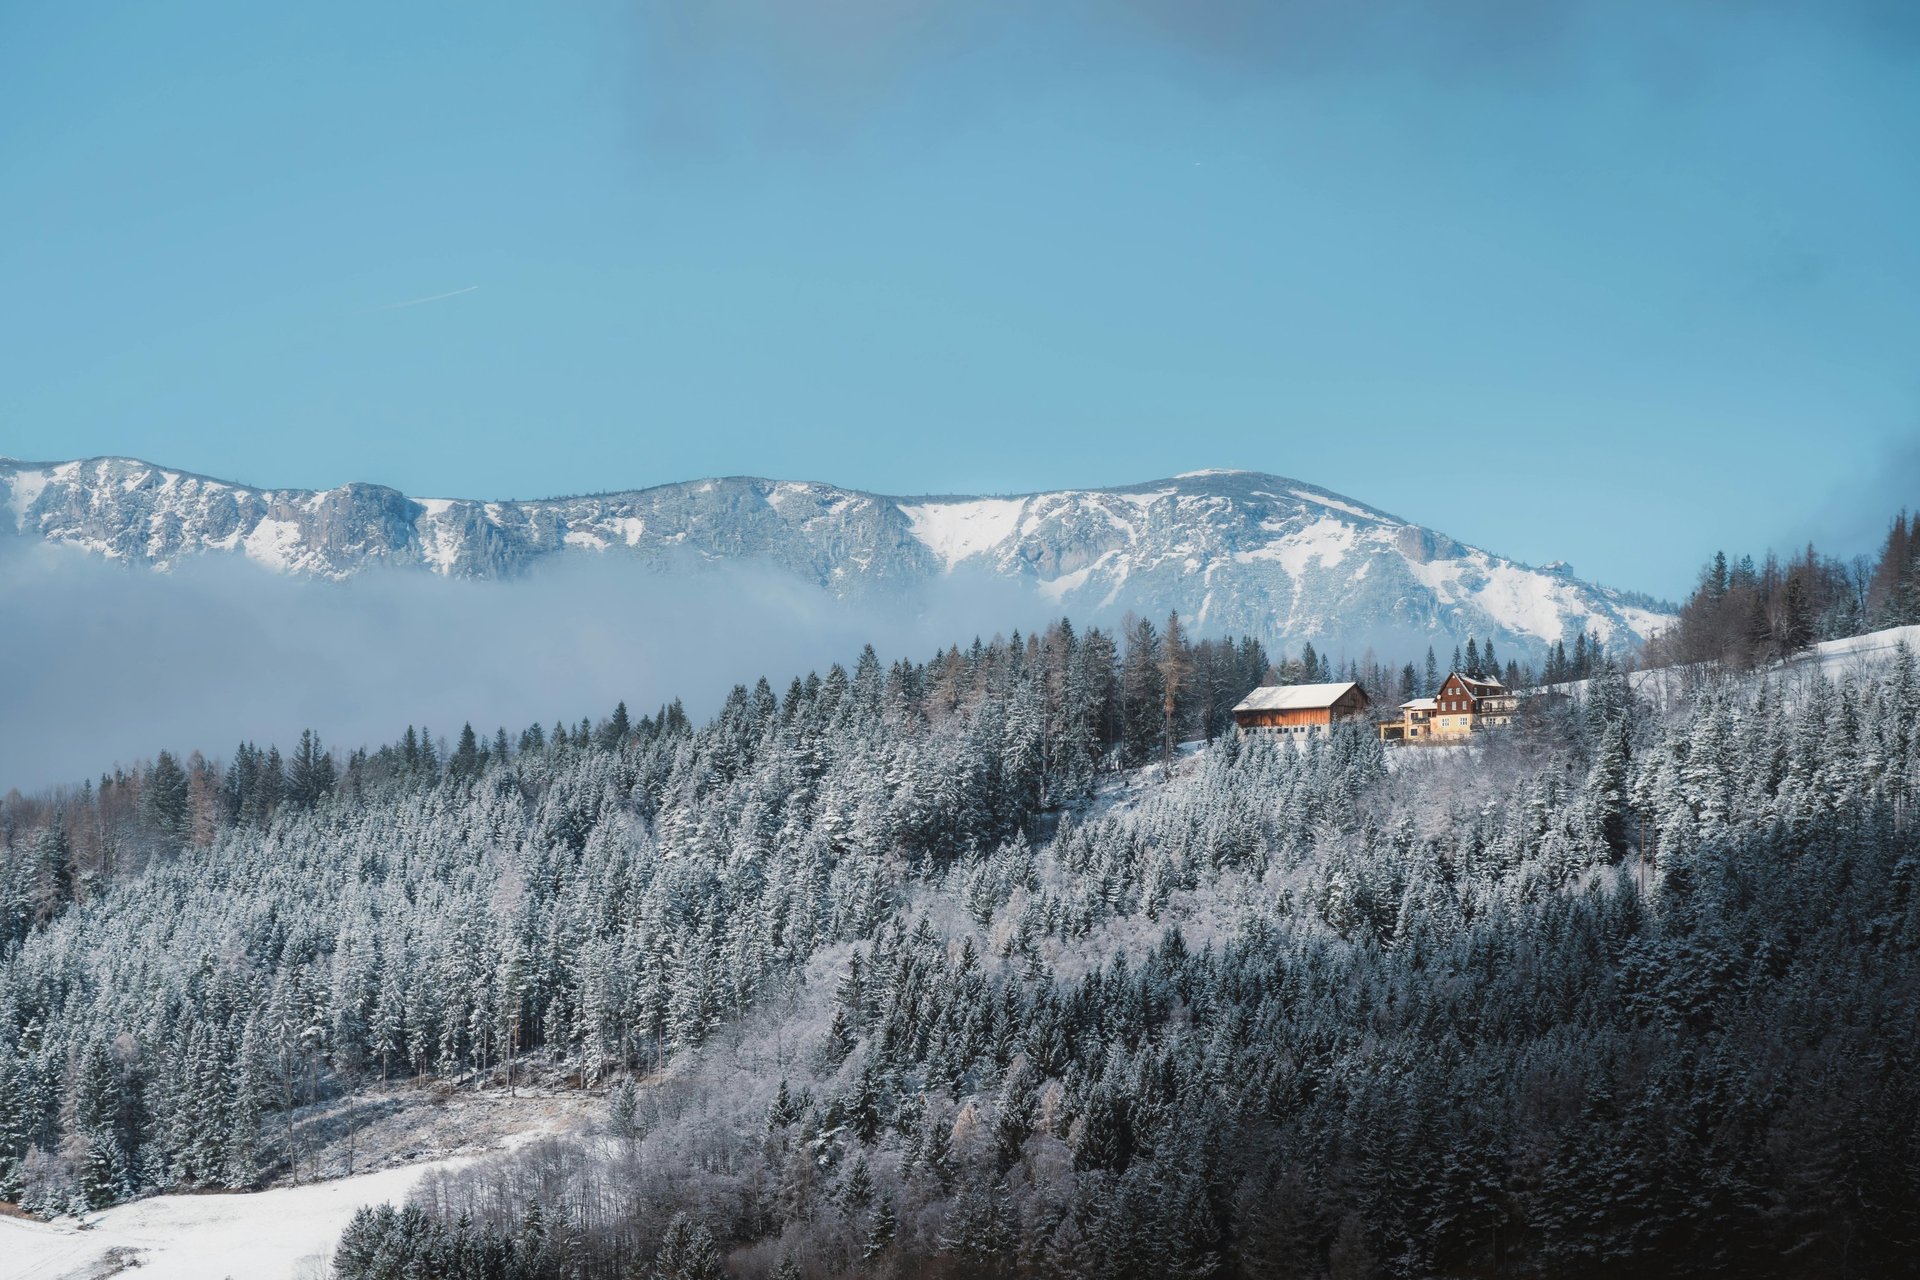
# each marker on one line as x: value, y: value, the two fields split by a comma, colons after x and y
x: 1232, y: 551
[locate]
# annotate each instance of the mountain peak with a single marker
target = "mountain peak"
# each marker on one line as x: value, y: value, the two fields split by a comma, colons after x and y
x: 1231, y: 550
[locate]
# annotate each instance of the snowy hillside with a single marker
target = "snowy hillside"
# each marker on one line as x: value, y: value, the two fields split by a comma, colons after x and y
x: 1232, y: 551
x: 1834, y: 658
x: 1830, y: 660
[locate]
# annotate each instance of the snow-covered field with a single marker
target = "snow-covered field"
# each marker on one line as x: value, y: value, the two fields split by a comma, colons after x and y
x: 287, y: 1232
x: 1830, y: 658
x: 1836, y: 656
x: 266, y: 1235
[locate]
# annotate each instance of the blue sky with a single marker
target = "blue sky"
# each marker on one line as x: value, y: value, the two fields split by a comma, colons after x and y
x: 1614, y: 282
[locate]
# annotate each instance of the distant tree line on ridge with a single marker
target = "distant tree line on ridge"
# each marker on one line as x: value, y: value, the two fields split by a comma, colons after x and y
x: 1745, y: 613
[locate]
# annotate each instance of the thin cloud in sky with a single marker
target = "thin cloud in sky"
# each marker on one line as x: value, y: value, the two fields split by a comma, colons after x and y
x: 414, y: 302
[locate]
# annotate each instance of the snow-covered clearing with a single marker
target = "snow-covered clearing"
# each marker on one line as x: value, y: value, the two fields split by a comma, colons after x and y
x: 1833, y: 657
x: 264, y: 1235
x: 289, y: 1231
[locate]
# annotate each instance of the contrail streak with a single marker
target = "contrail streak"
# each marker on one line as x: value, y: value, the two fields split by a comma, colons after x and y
x: 414, y: 302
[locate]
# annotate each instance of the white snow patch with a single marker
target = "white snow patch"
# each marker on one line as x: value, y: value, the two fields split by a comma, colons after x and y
x: 435, y: 506
x: 27, y: 488
x: 267, y: 1235
x: 1534, y: 604
x: 1644, y: 622
x: 1326, y: 540
x: 1836, y: 656
x: 585, y: 538
x: 1056, y: 589
x: 1442, y: 577
x: 956, y: 531
x: 630, y: 528
x: 273, y: 543
x: 1334, y: 503
x: 440, y: 551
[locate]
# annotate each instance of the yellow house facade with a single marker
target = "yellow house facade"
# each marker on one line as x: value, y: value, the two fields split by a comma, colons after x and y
x: 1463, y: 706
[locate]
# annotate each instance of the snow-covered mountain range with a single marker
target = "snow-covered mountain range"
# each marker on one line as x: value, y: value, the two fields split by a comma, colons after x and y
x: 1231, y: 550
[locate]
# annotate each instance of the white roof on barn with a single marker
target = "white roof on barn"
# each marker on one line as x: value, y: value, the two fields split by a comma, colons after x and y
x: 1295, y: 697
x: 1421, y: 704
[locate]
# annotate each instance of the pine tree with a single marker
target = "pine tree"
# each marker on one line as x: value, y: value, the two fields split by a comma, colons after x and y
x: 163, y: 803
x: 614, y: 733
x: 49, y: 886
x: 880, y: 1232
x: 311, y: 777
x: 688, y: 1252
x: 1142, y: 692
x: 1796, y: 616
x: 464, y: 764
x: 1176, y: 666
x: 857, y: 1192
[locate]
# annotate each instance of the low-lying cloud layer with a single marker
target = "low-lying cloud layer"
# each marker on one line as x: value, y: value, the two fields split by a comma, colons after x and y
x: 105, y: 664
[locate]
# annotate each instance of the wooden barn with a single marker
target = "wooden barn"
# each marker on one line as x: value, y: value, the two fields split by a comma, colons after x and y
x: 1300, y: 708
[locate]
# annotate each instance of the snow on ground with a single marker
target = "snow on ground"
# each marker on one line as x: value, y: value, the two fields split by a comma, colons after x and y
x: 1326, y: 541
x: 956, y: 530
x: 266, y: 1235
x: 1530, y: 603
x: 273, y: 543
x: 1644, y: 622
x: 1830, y: 658
x: 1412, y: 755
x: 27, y: 487
x: 1834, y: 657
x: 1335, y: 503
x: 401, y: 1130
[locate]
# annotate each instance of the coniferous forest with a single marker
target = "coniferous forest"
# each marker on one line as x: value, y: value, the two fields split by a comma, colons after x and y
x: 956, y: 968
